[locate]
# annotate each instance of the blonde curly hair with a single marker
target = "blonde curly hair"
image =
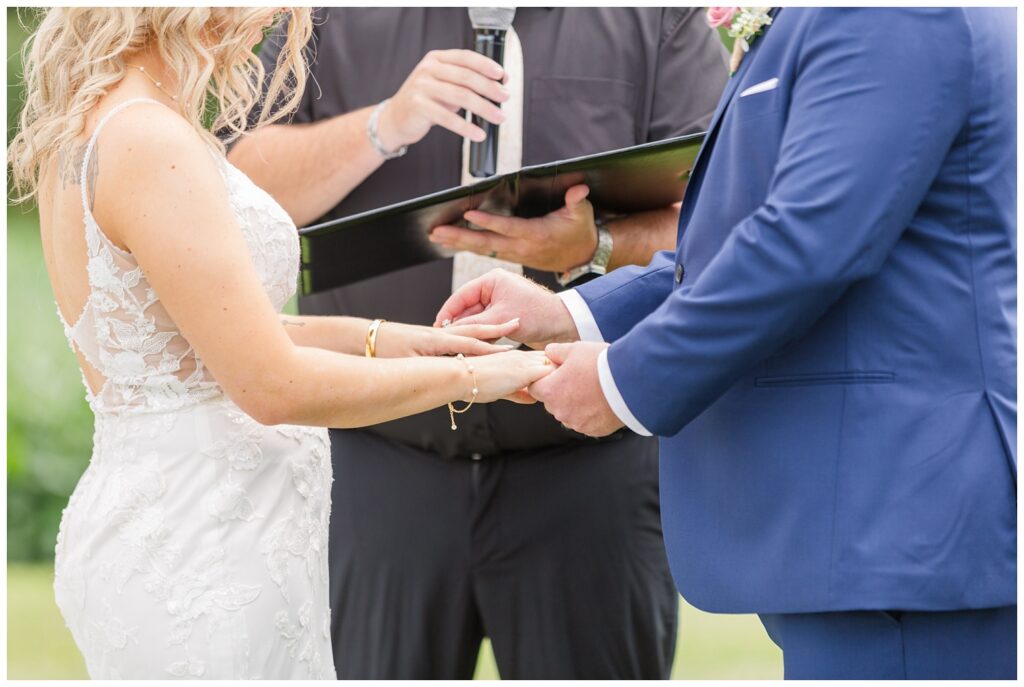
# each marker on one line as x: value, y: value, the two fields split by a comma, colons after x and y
x: 77, y: 54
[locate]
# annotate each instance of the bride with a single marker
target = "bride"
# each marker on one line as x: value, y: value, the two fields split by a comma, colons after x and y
x: 195, y: 543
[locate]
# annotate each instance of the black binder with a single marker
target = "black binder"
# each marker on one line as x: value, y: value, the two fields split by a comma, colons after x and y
x: 357, y: 247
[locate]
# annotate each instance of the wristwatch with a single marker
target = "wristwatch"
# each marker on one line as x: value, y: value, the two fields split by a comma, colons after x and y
x: 599, y: 263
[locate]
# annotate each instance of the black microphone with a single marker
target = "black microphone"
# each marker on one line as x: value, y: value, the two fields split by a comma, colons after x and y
x: 489, y: 27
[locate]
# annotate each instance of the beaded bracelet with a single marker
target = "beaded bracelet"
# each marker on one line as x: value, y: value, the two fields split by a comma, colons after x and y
x: 452, y: 411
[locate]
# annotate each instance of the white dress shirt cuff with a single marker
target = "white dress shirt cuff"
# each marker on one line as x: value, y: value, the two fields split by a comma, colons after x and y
x: 614, y: 398
x: 586, y: 325
x: 588, y: 330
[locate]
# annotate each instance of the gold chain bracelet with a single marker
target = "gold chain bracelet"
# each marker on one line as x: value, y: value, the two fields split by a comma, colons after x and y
x: 371, y: 338
x: 452, y: 411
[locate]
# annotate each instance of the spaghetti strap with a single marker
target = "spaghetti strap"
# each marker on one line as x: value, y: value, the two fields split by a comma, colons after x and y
x: 92, y: 144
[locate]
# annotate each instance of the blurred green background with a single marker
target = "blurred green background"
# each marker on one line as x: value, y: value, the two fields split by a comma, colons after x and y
x: 49, y: 438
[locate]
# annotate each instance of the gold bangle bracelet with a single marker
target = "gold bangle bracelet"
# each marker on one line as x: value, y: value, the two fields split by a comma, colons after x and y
x: 371, y: 338
x: 452, y: 411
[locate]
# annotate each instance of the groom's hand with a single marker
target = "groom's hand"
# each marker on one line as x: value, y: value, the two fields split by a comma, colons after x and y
x: 500, y: 296
x: 573, y: 393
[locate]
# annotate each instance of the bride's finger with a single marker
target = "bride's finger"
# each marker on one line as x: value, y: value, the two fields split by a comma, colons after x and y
x: 522, y: 397
x: 483, y: 317
x: 470, y: 346
x: 538, y: 371
x: 486, y: 332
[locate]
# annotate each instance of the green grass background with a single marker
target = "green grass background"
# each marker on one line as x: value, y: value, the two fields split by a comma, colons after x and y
x: 39, y: 646
x: 44, y: 384
x: 49, y: 435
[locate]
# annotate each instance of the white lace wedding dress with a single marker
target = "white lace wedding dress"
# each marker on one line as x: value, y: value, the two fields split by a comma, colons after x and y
x: 195, y: 544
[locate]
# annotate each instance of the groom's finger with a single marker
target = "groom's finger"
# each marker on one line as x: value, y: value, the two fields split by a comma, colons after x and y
x: 469, y: 312
x: 522, y: 396
x: 541, y: 389
x: 485, y: 317
x: 558, y: 352
x: 471, y: 298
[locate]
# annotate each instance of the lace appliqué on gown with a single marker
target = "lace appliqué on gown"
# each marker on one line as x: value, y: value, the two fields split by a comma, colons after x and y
x: 195, y: 544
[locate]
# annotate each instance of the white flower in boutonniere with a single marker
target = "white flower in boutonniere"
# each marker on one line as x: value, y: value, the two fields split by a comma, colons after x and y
x: 744, y: 24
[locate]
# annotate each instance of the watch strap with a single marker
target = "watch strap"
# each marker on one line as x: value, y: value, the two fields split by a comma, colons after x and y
x: 598, y: 263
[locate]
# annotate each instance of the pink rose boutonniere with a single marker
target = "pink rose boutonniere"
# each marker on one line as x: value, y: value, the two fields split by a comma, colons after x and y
x: 744, y: 24
x: 721, y: 16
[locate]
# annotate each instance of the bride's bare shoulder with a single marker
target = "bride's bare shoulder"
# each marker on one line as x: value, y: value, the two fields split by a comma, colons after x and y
x: 147, y: 150
x: 145, y: 134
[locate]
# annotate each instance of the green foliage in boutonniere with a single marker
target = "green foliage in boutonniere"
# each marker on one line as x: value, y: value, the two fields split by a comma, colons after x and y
x: 744, y: 25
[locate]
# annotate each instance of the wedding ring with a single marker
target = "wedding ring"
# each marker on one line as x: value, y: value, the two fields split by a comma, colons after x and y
x: 447, y: 323
x: 371, y: 338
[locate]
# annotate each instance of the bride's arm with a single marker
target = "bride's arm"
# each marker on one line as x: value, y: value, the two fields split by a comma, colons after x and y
x: 160, y: 193
x: 394, y: 339
x: 338, y: 334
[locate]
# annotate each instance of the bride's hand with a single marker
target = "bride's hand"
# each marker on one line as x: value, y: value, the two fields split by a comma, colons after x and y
x: 507, y: 375
x: 397, y: 340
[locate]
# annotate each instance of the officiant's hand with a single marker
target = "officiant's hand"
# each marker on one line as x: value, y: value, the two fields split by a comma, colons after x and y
x: 556, y: 242
x: 572, y: 393
x: 397, y: 340
x: 500, y: 296
x: 444, y: 82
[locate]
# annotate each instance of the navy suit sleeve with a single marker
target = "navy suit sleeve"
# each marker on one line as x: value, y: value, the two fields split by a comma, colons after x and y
x: 877, y: 99
x: 625, y: 296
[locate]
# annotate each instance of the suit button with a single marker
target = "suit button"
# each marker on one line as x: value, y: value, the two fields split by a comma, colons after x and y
x: 680, y: 273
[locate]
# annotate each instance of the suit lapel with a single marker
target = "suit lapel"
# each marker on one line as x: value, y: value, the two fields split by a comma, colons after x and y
x: 696, y: 176
x: 728, y: 93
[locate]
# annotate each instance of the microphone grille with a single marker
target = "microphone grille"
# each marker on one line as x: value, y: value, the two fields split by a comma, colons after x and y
x: 498, y: 18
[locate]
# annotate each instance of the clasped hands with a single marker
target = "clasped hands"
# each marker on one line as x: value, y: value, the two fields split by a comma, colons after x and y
x: 572, y: 393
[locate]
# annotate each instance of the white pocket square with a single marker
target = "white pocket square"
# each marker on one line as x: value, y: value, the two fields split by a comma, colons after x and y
x: 761, y: 87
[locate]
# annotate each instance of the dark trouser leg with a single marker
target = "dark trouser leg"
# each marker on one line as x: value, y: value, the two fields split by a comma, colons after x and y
x: 915, y: 645
x: 401, y: 597
x: 961, y: 645
x: 572, y: 578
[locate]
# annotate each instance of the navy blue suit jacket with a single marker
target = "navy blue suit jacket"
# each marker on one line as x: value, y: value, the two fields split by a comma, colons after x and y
x: 834, y: 375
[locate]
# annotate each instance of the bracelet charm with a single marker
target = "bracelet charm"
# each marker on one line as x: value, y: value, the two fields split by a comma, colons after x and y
x: 452, y: 410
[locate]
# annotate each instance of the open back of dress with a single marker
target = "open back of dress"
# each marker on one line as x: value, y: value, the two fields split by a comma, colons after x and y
x: 195, y: 543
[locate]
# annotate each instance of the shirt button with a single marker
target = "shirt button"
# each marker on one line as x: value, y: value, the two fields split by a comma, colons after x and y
x: 476, y: 456
x: 680, y: 272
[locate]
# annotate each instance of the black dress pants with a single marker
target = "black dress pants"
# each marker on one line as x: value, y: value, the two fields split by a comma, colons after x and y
x: 557, y: 556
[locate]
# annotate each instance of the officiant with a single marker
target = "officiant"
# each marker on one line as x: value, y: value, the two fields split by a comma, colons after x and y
x: 511, y: 527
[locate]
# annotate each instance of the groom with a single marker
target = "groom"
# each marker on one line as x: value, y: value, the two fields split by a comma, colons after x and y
x: 829, y: 354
